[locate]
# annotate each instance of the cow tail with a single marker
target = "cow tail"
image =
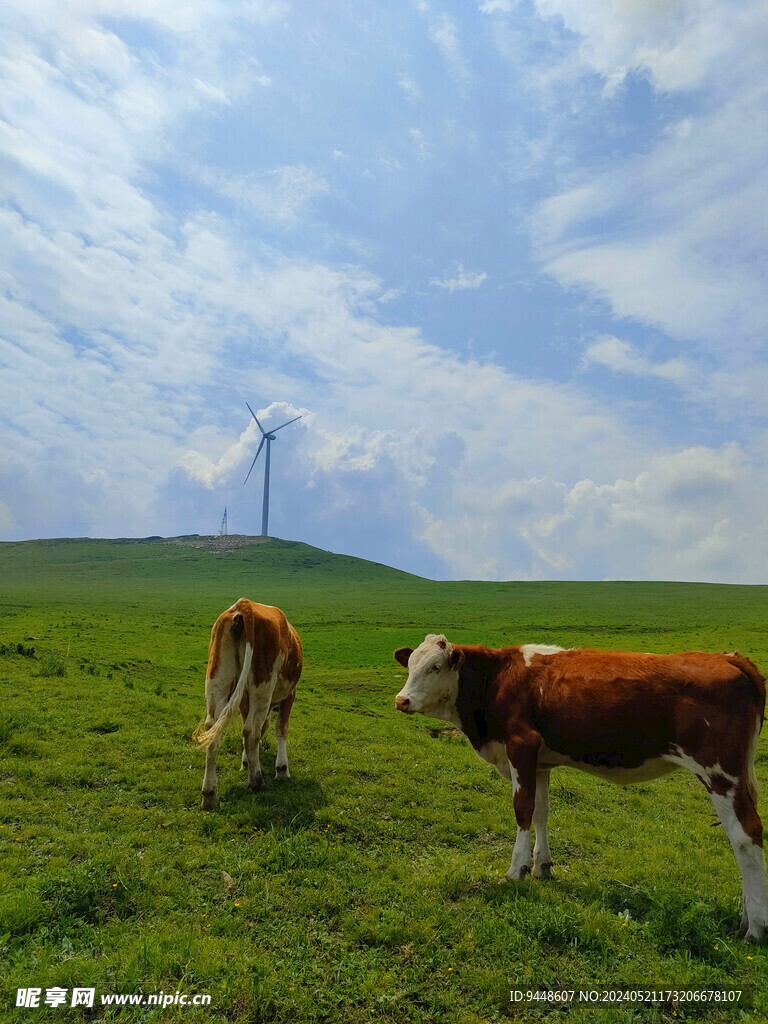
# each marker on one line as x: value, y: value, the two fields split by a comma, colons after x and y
x: 750, y: 671
x: 212, y: 735
x: 751, y: 774
x: 752, y: 782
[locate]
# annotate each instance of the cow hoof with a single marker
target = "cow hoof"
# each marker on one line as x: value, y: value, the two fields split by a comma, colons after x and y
x: 755, y: 936
x: 281, y: 771
x: 210, y: 800
x: 517, y: 874
x: 257, y: 784
x: 542, y: 871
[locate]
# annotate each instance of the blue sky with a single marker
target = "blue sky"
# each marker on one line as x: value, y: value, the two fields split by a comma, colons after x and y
x: 507, y: 259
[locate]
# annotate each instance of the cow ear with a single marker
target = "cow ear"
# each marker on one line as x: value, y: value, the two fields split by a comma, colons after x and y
x: 456, y: 659
x: 236, y: 628
x: 402, y: 654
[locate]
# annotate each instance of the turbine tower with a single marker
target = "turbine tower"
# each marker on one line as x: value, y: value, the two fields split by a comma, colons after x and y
x: 267, y: 436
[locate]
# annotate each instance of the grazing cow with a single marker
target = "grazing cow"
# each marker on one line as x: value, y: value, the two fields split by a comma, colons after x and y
x: 623, y: 717
x: 254, y: 664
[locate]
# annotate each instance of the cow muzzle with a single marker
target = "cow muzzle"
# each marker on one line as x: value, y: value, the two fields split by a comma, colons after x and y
x: 403, y: 704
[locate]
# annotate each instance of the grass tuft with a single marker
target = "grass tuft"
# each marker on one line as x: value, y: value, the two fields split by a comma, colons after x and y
x: 53, y: 664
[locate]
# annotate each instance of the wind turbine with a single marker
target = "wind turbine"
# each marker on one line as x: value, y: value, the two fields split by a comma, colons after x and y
x: 267, y: 436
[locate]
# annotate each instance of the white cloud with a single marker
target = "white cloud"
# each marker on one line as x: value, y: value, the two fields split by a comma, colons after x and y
x: 444, y: 34
x: 280, y: 195
x: 410, y: 88
x: 684, y: 517
x: 461, y: 280
x: 731, y: 392
x: 420, y: 143
x: 212, y: 92
x: 6, y: 517
x: 622, y: 357
x: 669, y: 236
x: 178, y: 16
x: 223, y: 460
x: 442, y: 30
x: 496, y: 6
x: 680, y: 44
x: 556, y: 215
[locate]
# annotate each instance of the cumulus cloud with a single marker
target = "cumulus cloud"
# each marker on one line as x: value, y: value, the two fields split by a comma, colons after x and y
x: 681, y: 45
x: 210, y: 469
x: 685, y: 516
x: 223, y: 459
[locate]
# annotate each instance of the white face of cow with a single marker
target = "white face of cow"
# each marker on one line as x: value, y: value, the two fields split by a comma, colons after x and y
x: 433, y: 679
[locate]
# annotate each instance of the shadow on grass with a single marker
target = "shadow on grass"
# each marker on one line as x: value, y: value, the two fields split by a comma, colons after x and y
x: 579, y: 914
x: 289, y: 804
x: 672, y: 918
x: 501, y: 893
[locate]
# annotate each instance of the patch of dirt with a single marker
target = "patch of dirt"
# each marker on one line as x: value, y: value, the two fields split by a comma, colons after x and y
x: 229, y: 543
x: 446, y: 734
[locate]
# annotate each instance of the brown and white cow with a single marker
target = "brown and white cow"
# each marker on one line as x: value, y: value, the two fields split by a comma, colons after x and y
x: 254, y: 664
x: 623, y: 717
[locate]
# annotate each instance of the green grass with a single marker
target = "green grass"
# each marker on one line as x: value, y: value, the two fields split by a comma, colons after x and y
x: 366, y: 888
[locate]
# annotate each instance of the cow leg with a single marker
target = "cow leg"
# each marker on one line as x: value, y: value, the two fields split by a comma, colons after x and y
x: 542, y: 858
x: 264, y: 728
x: 522, y: 765
x: 281, y: 732
x: 215, y: 702
x: 258, y: 711
x: 210, y: 790
x: 244, y: 712
x: 738, y: 816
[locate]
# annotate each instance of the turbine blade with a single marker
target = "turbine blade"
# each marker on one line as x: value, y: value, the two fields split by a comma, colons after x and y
x: 258, y: 450
x: 285, y: 424
x: 263, y: 431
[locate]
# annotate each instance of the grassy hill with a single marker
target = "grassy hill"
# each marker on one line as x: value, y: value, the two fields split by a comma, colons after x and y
x: 367, y: 887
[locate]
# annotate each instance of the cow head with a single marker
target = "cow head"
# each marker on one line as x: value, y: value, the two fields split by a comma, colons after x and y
x: 433, y: 678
